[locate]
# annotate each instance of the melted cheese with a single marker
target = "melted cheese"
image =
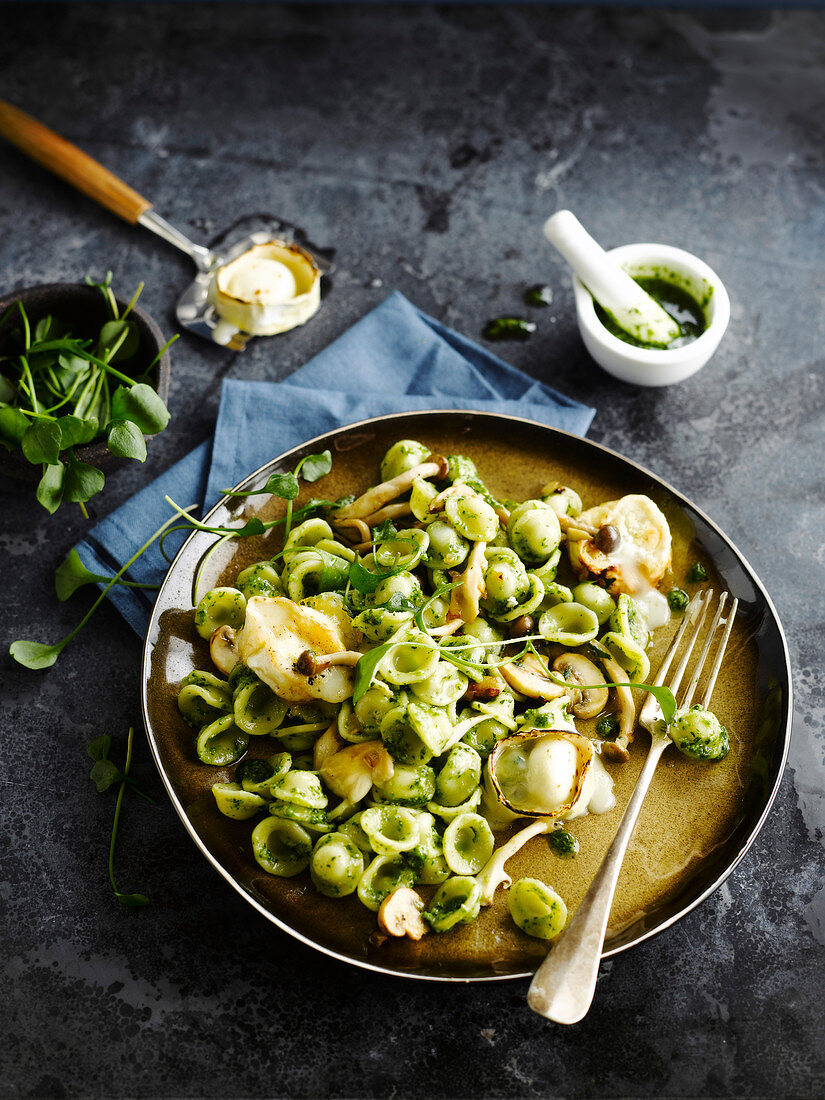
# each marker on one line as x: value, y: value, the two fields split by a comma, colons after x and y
x: 551, y: 775
x: 275, y: 634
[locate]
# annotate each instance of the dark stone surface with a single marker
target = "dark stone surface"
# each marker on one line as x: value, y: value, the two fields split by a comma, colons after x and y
x: 426, y: 145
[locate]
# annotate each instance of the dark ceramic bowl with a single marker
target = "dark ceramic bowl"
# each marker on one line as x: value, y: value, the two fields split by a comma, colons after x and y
x: 698, y: 820
x: 82, y: 306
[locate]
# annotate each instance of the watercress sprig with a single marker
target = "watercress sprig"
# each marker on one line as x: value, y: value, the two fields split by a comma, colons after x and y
x: 37, y: 655
x: 56, y: 394
x: 72, y: 574
x: 105, y: 774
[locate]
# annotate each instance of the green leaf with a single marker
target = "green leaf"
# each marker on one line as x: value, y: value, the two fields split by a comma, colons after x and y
x: 105, y: 774
x: 252, y: 527
x: 35, y: 655
x: 125, y: 439
x: 364, y: 580
x: 102, y: 285
x: 70, y: 367
x: 132, y: 901
x: 82, y: 482
x: 99, y: 748
x: 46, y: 329
x: 72, y: 574
x: 13, y: 424
x: 284, y: 486
x: 111, y: 332
x: 50, y: 487
x: 142, y: 406
x: 664, y: 697
x: 41, y: 442
x: 366, y: 667
x: 7, y: 393
x: 75, y: 432
x: 384, y: 532
x: 314, y: 467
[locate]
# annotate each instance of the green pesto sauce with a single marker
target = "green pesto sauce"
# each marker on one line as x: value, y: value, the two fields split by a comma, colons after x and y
x: 675, y: 300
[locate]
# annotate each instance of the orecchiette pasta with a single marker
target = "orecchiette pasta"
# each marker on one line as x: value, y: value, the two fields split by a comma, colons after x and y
x: 377, y: 662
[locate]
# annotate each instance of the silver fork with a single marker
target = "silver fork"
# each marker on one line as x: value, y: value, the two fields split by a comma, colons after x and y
x: 563, y: 986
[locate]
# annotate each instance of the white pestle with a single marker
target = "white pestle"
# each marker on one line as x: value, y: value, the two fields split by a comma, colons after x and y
x: 632, y: 308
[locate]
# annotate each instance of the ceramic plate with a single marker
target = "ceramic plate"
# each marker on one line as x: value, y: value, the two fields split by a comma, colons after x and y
x: 698, y: 820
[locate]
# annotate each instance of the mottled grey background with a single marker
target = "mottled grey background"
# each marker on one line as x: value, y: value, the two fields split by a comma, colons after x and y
x: 426, y: 145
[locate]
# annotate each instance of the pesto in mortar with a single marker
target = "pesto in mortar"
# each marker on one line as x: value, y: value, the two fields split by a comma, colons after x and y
x: 675, y: 300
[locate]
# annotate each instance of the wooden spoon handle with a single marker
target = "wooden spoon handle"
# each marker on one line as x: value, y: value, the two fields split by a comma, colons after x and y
x: 70, y: 163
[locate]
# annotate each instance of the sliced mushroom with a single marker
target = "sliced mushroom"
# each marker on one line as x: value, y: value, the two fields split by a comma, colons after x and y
x: 493, y: 875
x: 311, y: 664
x: 354, y: 529
x: 351, y: 772
x: 438, y: 503
x: 328, y: 744
x: 483, y: 691
x: 223, y: 649
x: 358, y: 530
x: 529, y: 676
x: 617, y: 750
x: 379, y: 495
x: 391, y: 511
x: 586, y: 700
x: 464, y: 599
x: 400, y: 914
x: 452, y: 627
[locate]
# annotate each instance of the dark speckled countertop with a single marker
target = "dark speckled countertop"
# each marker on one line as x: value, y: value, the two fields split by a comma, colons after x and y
x: 426, y: 145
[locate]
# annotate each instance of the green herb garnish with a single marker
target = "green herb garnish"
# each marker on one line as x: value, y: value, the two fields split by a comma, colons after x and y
x: 563, y: 844
x: 696, y: 573
x: 310, y: 468
x: 59, y: 391
x: 508, y: 328
x: 105, y: 774
x: 608, y: 727
x: 37, y: 655
x: 677, y: 599
x: 72, y: 574
x: 538, y: 295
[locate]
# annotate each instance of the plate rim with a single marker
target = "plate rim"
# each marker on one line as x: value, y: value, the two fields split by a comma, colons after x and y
x: 151, y: 639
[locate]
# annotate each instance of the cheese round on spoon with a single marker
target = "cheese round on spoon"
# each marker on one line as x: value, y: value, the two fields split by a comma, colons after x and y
x: 270, y: 288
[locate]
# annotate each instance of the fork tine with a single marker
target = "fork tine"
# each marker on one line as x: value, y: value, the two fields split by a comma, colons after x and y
x: 687, y: 698
x: 699, y: 622
x: 674, y: 645
x: 717, y: 664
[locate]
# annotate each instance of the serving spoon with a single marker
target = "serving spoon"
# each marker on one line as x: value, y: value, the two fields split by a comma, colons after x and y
x: 632, y: 308
x: 193, y: 311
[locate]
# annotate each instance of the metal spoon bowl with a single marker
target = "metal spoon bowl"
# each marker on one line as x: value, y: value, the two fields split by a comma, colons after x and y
x: 194, y: 311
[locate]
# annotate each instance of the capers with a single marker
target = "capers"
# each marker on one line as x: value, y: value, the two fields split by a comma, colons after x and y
x: 524, y: 624
x: 608, y: 538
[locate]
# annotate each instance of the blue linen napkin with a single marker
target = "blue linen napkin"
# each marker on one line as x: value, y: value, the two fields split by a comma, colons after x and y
x: 395, y: 359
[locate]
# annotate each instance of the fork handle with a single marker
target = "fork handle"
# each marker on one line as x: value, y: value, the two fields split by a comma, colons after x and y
x: 563, y: 986
x: 70, y: 163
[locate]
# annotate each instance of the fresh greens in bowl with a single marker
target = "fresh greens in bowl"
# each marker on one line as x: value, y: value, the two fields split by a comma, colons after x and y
x: 87, y: 373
